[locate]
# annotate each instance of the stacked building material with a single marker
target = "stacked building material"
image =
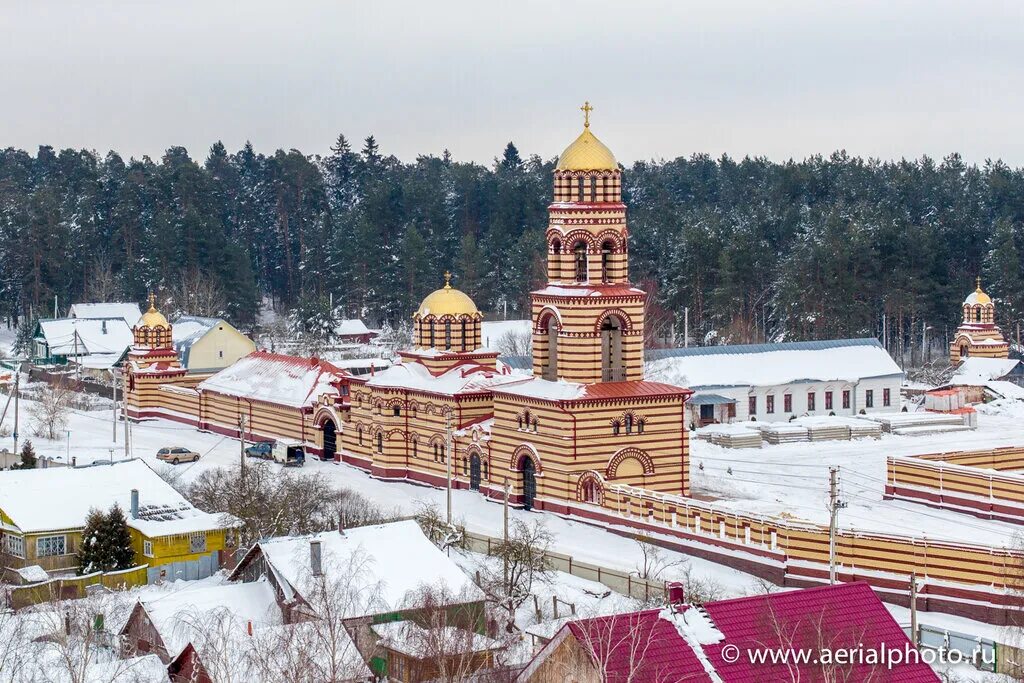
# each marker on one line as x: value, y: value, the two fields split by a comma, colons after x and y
x: 776, y: 433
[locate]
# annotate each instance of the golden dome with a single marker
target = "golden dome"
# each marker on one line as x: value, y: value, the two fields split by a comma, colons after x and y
x: 153, y: 317
x: 447, y: 301
x: 978, y: 296
x: 587, y: 153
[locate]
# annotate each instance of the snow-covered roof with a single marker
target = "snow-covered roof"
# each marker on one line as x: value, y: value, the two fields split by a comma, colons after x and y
x: 384, y: 565
x: 181, y: 616
x: 346, y: 328
x: 100, y: 361
x: 546, y: 389
x: 847, y: 360
x: 1005, y: 389
x: 94, y: 335
x: 58, y: 498
x: 33, y: 573
x: 459, y: 379
x: 276, y: 378
x: 409, y: 638
x: 127, y: 311
x: 977, y: 370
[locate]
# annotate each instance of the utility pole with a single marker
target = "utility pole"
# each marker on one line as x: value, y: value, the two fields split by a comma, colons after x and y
x: 834, y: 506
x: 448, y: 459
x: 241, y: 443
x: 113, y: 412
x: 913, y: 609
x: 17, y: 380
x: 78, y: 361
x: 686, y: 327
x: 124, y: 411
x: 504, y: 538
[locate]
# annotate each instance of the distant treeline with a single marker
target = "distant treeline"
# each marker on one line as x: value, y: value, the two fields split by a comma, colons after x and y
x: 755, y: 249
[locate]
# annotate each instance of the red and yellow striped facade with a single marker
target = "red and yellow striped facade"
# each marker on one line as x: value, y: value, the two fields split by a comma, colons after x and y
x: 978, y: 334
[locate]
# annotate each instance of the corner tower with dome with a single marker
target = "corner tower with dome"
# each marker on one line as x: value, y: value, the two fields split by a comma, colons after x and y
x: 978, y: 334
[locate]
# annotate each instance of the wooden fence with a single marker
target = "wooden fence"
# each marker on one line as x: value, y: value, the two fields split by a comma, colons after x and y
x: 74, y: 587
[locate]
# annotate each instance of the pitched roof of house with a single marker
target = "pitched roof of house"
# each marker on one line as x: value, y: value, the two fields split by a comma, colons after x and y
x: 384, y: 565
x: 976, y: 370
x: 188, y: 329
x: 346, y: 328
x: 466, y: 378
x: 59, y: 498
x: 276, y: 378
x: 127, y: 311
x: 847, y: 360
x: 689, y: 643
x: 180, y: 616
x: 86, y: 336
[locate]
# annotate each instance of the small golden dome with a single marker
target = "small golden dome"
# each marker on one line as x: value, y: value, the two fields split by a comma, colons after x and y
x: 153, y: 318
x: 978, y: 296
x: 447, y: 301
x: 587, y: 153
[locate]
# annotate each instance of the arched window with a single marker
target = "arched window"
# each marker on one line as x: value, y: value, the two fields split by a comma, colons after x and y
x: 534, y: 424
x: 580, y: 259
x: 397, y: 411
x: 359, y: 430
x: 629, y: 423
x: 437, y: 455
x: 579, y: 188
x: 519, y: 421
x: 550, y: 371
x: 380, y: 442
x: 447, y: 335
x: 977, y: 314
x: 606, y: 260
x: 593, y: 188
x: 415, y: 443
x: 639, y: 426
x: 612, y: 369
x: 485, y: 470
x: 556, y: 246
x: 615, y: 427
x: 590, y: 491
x: 465, y: 336
x: 432, y: 344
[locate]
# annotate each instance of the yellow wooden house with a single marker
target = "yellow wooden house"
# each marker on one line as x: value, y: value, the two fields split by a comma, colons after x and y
x: 43, y: 514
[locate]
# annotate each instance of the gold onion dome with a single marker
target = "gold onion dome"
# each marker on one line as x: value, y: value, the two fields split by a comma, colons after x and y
x: 978, y: 296
x: 587, y: 153
x: 447, y: 301
x: 153, y: 317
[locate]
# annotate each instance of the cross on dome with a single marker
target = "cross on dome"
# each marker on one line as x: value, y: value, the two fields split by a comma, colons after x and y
x: 586, y: 109
x: 447, y: 279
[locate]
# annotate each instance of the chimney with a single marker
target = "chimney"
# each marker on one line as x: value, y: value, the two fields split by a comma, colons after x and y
x: 676, y: 593
x: 315, y: 564
x: 135, y: 504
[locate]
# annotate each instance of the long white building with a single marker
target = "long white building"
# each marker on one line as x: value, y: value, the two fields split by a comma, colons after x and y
x: 773, y: 382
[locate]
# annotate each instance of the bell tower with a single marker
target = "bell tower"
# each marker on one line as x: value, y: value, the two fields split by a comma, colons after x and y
x: 588, y: 322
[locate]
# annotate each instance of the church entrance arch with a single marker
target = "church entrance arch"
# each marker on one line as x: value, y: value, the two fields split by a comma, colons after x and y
x: 330, y: 433
x: 474, y: 472
x: 529, y: 483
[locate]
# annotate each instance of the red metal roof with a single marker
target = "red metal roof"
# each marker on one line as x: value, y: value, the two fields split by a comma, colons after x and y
x: 843, y: 616
x: 633, y: 389
x: 647, y: 647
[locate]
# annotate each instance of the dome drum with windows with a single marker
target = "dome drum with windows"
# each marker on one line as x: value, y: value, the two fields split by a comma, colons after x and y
x: 152, y: 330
x: 447, y: 320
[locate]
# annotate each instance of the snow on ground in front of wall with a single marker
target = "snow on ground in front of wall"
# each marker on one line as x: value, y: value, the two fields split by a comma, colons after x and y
x: 7, y: 337
x: 793, y: 478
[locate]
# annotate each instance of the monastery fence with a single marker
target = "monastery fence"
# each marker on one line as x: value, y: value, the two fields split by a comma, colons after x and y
x: 75, y: 587
x: 1004, y: 459
x: 623, y: 582
x: 943, y: 484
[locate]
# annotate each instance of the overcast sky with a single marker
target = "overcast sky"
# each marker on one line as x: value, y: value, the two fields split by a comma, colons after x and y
x: 756, y: 77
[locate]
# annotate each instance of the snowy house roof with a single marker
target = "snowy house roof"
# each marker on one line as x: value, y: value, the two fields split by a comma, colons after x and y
x: 975, y: 370
x: 58, y: 498
x: 276, y: 378
x: 696, y: 644
x: 129, y: 312
x: 460, y: 379
x: 180, y: 616
x: 354, y: 327
x: 411, y: 639
x: 846, y: 360
x: 91, y: 335
x: 375, y: 562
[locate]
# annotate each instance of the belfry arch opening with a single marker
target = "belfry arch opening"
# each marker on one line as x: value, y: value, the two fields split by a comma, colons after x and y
x: 550, y: 368
x: 612, y: 367
x: 579, y: 254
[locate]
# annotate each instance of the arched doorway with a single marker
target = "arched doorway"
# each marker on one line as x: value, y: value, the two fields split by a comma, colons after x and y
x: 965, y: 350
x: 330, y: 439
x: 612, y: 369
x: 474, y: 472
x: 529, y: 483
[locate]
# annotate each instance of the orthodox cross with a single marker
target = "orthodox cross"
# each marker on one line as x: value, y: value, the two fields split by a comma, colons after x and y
x: 447, y: 280
x: 586, y: 109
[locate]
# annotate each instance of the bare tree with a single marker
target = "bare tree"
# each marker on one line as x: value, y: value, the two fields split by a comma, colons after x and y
x: 196, y: 292
x: 275, y: 502
x: 609, y: 649
x: 101, y: 283
x: 50, y: 408
x: 436, y: 527
x: 654, y: 561
x: 521, y: 561
x: 515, y: 343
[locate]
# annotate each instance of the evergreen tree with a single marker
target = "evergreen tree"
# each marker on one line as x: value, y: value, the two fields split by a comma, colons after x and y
x: 117, y: 541
x: 91, y: 551
x: 29, y: 461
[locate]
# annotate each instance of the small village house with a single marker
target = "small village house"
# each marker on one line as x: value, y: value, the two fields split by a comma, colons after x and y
x: 353, y: 331
x: 43, y: 514
x: 96, y: 343
x: 378, y: 572
x: 710, y: 643
x: 208, y: 344
x: 775, y: 382
x: 129, y: 312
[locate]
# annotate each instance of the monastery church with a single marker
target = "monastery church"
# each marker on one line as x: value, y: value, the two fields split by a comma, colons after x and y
x: 978, y: 334
x: 584, y: 419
